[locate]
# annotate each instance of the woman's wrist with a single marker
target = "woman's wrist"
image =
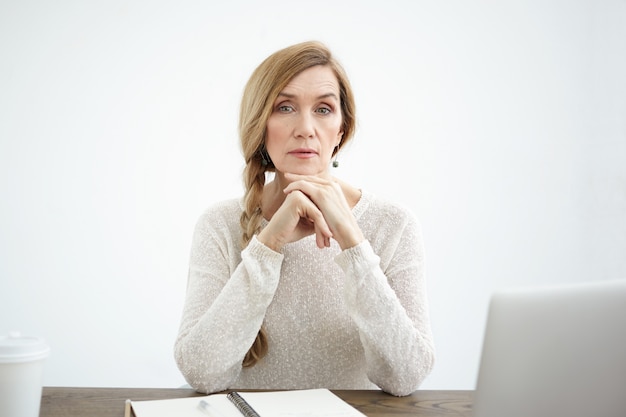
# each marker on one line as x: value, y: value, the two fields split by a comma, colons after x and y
x: 269, y: 240
x: 349, y: 235
x: 351, y: 240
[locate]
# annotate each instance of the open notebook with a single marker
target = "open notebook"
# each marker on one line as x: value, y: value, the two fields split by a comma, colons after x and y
x: 299, y: 403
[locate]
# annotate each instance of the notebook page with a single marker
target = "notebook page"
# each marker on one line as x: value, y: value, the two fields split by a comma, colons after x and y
x: 300, y: 403
x: 186, y: 407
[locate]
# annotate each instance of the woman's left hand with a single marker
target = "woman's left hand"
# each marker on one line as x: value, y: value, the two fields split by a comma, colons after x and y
x: 329, y: 198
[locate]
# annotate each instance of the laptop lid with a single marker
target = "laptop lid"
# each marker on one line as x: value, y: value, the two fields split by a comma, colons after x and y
x: 554, y: 351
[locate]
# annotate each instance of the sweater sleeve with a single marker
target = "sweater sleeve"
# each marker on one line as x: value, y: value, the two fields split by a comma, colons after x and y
x: 223, y: 310
x: 390, y: 310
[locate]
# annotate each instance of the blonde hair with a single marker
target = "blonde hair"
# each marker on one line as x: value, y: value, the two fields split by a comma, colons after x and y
x: 262, y: 89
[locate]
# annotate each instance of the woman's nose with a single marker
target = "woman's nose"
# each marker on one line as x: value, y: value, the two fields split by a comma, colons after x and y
x: 304, y: 127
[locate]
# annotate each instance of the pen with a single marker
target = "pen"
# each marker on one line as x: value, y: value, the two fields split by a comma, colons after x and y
x: 207, y: 409
x: 127, y: 407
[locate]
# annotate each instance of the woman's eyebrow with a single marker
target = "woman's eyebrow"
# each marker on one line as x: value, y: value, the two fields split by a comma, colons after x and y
x: 322, y: 96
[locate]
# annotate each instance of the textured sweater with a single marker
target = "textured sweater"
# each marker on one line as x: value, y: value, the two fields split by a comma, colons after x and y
x: 351, y: 319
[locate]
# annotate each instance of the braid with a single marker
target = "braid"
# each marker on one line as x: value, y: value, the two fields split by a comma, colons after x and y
x: 254, y: 179
x: 257, y: 350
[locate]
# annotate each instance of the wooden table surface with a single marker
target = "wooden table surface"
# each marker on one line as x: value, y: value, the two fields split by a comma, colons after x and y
x: 109, y: 402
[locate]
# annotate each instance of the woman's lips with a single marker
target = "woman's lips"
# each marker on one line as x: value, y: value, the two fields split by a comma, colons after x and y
x: 303, y: 153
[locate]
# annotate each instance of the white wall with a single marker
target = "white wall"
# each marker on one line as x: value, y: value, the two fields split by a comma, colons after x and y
x: 502, y: 124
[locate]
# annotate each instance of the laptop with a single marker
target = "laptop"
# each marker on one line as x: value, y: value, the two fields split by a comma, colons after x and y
x: 556, y: 351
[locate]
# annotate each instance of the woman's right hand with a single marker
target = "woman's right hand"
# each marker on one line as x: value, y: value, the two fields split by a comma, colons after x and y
x: 296, y: 218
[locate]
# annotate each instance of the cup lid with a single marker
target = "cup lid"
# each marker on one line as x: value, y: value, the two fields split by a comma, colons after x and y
x: 15, y: 347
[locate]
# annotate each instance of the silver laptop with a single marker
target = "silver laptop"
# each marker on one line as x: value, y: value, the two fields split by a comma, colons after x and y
x: 554, y: 352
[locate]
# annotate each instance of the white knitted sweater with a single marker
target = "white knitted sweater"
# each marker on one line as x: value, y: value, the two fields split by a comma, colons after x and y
x: 352, y: 319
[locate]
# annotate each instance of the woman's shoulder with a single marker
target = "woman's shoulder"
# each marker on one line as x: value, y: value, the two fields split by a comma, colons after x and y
x: 377, y: 208
x: 389, y: 225
x: 225, y: 213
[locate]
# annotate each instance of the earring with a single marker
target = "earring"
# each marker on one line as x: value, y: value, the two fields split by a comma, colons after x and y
x: 335, y: 162
x: 265, y: 158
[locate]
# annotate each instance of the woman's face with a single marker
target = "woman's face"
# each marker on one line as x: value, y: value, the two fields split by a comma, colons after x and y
x: 305, y: 124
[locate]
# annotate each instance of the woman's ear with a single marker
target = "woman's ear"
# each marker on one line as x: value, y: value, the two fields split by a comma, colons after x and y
x: 339, y: 138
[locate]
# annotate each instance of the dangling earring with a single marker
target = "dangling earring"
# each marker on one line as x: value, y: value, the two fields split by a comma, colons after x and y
x: 336, y: 162
x: 265, y: 158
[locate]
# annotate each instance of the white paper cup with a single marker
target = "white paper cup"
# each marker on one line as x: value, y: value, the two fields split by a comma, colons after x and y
x: 21, y: 374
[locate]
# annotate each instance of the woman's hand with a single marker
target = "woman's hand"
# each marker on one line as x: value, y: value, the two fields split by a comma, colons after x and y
x: 330, y: 201
x: 296, y: 218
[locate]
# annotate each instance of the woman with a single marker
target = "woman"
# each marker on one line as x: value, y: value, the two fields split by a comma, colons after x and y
x: 307, y: 281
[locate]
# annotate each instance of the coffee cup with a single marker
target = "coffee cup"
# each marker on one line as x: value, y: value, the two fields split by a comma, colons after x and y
x: 21, y: 374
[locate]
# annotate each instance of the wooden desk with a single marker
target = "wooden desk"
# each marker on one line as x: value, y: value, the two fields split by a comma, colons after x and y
x: 109, y: 402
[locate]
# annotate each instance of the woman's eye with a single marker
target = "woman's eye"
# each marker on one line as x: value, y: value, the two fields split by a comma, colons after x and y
x: 284, y: 109
x: 323, y: 110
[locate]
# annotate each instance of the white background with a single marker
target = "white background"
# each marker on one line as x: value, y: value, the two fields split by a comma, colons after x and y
x: 501, y: 123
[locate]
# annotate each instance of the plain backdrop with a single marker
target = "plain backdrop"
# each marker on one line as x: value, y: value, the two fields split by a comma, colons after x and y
x: 502, y: 124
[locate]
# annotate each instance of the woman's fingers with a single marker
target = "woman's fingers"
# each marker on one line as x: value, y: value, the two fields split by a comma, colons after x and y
x: 296, y: 218
x: 331, y: 203
x: 326, y: 195
x: 322, y: 238
x: 309, y: 184
x: 309, y: 211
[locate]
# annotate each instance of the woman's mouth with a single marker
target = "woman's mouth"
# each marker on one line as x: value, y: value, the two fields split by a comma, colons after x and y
x: 303, y: 153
